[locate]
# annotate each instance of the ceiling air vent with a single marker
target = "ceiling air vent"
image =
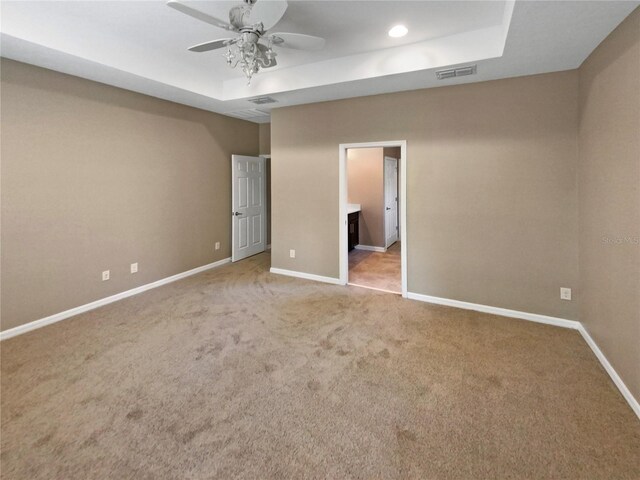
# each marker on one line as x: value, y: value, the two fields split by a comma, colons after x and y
x: 247, y: 114
x: 456, y: 72
x: 262, y: 100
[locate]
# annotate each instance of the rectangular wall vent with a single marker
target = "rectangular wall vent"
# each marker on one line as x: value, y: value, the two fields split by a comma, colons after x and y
x: 442, y: 74
x: 262, y: 100
x: 246, y: 114
x: 456, y: 72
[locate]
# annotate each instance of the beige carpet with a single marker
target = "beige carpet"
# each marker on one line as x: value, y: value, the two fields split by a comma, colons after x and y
x: 238, y: 373
x: 376, y: 269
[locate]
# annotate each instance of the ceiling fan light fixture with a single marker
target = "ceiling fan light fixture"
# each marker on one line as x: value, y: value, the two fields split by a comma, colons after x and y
x: 245, y: 50
x: 398, y: 31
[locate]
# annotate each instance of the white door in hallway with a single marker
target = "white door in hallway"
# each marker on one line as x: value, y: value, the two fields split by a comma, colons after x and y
x: 248, y: 215
x: 390, y: 200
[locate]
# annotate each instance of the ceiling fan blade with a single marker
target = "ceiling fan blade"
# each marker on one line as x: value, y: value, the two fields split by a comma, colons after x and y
x: 197, y: 14
x: 239, y: 16
x: 297, y: 41
x: 269, y: 12
x: 213, y: 45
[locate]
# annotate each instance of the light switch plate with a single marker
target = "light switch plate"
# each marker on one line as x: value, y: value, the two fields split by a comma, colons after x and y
x: 565, y: 293
x: 106, y: 275
x: 134, y: 267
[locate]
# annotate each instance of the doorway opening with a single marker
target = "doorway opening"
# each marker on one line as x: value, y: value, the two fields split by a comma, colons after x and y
x: 373, y: 215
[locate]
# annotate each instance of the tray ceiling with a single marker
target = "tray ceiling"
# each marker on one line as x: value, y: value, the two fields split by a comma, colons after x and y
x: 142, y: 46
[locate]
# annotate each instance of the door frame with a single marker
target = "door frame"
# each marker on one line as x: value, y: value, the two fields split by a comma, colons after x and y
x: 342, y: 206
x: 384, y: 195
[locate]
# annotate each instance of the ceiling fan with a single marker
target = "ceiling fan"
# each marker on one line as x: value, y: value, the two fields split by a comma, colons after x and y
x: 252, y: 46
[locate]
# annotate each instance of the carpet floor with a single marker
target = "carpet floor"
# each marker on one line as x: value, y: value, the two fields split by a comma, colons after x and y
x: 376, y: 269
x: 239, y: 373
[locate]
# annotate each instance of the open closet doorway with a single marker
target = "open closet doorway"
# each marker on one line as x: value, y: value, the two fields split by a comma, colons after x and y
x: 372, y: 215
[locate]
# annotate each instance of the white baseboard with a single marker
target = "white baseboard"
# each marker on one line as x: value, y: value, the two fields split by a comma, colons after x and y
x: 626, y: 393
x: 370, y: 248
x: 534, y: 317
x: 504, y: 312
x: 306, y: 276
x: 27, y: 327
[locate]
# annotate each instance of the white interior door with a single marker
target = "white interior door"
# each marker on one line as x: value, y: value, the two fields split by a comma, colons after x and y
x: 390, y: 200
x: 249, y: 222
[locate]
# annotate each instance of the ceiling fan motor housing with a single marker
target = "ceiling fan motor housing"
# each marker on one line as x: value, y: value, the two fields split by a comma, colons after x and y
x: 250, y: 36
x: 256, y: 29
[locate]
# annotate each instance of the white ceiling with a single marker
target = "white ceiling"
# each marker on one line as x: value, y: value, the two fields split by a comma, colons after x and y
x: 352, y: 27
x: 141, y: 45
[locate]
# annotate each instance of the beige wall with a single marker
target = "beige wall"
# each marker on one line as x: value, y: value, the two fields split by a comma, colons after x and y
x: 609, y: 185
x: 264, y: 133
x: 365, y: 185
x: 491, y: 193
x: 95, y: 178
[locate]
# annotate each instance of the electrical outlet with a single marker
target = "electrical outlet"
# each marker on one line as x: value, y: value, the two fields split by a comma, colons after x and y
x: 134, y: 267
x: 565, y: 293
x: 106, y: 275
x: 292, y: 253
x: 217, y: 245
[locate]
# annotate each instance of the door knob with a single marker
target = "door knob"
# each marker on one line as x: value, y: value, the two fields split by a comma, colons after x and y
x: 388, y: 208
x: 237, y: 214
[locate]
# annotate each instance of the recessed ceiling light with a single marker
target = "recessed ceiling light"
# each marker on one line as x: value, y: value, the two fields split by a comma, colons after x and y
x: 398, y: 31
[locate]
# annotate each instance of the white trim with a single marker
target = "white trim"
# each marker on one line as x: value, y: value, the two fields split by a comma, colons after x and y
x: 306, y: 276
x: 268, y: 247
x: 27, y: 327
x: 403, y: 166
x: 342, y: 207
x: 633, y: 403
x: 504, y: 312
x: 534, y: 317
x: 369, y: 248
